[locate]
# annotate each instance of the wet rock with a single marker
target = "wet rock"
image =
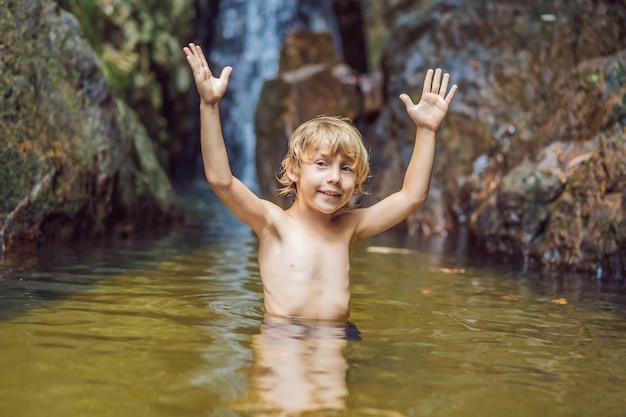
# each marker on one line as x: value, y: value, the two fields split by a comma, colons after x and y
x: 139, y: 48
x: 596, y: 211
x: 303, y: 47
x: 535, y: 133
x: 76, y: 161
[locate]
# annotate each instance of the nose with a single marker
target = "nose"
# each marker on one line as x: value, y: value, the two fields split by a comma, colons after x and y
x: 334, y: 175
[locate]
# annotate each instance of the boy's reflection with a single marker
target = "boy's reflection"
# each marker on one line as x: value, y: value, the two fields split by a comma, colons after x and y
x: 299, y: 365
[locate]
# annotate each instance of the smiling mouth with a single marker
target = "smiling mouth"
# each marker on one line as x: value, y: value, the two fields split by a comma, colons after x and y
x: 331, y: 193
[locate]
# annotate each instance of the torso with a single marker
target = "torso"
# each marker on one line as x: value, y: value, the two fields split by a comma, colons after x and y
x: 306, y: 269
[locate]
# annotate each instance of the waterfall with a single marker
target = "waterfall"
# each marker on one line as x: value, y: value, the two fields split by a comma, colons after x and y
x: 247, y: 36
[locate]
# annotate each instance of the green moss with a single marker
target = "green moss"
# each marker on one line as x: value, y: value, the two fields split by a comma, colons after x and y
x: 14, y: 177
x: 90, y: 18
x: 118, y: 79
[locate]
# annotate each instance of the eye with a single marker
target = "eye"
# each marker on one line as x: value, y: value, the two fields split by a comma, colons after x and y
x: 347, y: 168
x: 321, y: 163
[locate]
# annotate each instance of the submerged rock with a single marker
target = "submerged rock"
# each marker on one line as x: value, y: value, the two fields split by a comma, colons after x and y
x: 76, y: 161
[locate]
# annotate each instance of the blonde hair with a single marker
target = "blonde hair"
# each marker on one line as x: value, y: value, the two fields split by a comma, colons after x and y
x: 342, y: 138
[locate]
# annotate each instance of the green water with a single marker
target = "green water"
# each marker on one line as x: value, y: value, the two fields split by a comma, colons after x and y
x: 171, y: 326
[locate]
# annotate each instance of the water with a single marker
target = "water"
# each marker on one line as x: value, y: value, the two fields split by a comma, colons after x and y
x: 171, y: 326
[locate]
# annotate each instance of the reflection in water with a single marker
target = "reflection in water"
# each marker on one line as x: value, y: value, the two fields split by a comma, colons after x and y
x: 299, y: 366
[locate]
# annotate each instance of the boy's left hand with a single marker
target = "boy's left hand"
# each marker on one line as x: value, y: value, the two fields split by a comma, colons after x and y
x: 433, y: 105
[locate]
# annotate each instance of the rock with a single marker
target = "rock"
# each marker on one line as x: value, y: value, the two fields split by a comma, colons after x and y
x: 140, y: 47
x: 76, y: 161
x: 535, y: 134
x: 582, y: 230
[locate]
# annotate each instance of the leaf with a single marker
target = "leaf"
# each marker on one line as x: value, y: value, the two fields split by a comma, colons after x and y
x: 452, y: 270
x: 388, y: 250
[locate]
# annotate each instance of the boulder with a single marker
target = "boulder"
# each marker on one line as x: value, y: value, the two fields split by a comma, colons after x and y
x: 139, y: 45
x: 535, y: 134
x: 76, y: 161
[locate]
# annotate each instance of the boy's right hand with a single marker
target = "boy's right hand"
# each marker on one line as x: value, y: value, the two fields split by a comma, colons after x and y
x: 210, y: 88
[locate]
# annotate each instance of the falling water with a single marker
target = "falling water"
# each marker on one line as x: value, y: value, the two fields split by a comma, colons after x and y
x: 248, y: 37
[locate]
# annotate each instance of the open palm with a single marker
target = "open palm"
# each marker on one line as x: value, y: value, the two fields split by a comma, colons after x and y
x: 433, y: 106
x: 210, y: 88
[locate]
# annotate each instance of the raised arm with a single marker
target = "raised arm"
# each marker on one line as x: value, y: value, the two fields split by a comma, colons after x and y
x: 233, y: 193
x: 427, y: 114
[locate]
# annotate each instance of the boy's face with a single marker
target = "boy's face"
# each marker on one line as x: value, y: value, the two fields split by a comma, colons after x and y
x: 326, y: 182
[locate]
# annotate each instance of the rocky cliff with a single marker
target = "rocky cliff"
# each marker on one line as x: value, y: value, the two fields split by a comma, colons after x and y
x: 75, y: 160
x: 138, y: 44
x: 532, y: 156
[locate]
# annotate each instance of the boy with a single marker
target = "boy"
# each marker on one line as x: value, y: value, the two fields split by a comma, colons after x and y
x: 304, y: 250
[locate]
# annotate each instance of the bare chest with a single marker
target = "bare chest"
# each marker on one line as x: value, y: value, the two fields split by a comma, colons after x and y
x: 307, y: 256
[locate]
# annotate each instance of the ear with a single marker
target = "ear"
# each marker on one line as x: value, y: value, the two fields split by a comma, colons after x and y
x: 291, y: 174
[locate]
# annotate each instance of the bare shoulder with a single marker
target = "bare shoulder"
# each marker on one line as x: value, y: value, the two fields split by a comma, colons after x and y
x: 354, y: 220
x: 375, y: 219
x: 274, y: 209
x: 276, y: 218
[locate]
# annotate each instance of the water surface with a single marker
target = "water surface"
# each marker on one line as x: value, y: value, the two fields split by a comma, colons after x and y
x: 172, y: 325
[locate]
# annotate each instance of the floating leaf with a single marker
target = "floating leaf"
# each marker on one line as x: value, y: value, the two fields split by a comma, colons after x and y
x: 452, y: 270
x: 509, y: 298
x: 559, y: 301
x: 388, y: 250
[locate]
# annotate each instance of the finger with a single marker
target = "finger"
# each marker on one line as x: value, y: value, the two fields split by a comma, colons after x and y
x: 203, y: 60
x: 195, y: 67
x: 191, y: 55
x: 444, y: 85
x: 436, y: 82
x: 192, y: 49
x: 406, y: 100
x: 199, y: 61
x: 192, y: 64
x: 225, y: 75
x: 197, y: 54
x: 427, y: 82
x: 450, y: 95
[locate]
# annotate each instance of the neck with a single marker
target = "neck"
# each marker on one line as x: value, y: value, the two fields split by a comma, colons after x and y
x: 312, y: 216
